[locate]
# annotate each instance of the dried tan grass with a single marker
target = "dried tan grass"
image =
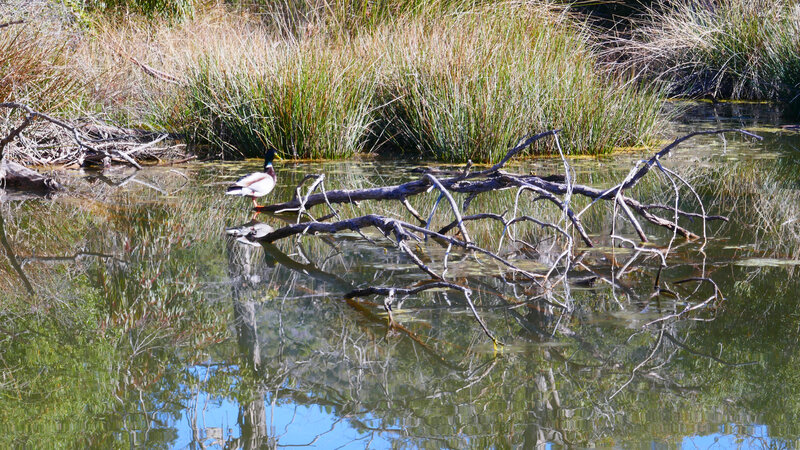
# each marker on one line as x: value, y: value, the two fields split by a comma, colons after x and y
x: 741, y: 49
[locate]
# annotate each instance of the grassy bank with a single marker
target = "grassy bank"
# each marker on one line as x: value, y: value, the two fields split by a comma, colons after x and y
x: 470, y: 86
x: 450, y: 80
x: 452, y: 86
x: 738, y: 49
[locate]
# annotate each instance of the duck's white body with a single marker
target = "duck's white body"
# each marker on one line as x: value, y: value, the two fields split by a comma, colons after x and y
x: 257, y: 184
x: 254, y: 185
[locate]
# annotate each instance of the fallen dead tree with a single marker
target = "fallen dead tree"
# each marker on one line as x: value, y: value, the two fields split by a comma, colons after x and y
x: 559, y: 191
x: 42, y: 139
x: 494, y: 179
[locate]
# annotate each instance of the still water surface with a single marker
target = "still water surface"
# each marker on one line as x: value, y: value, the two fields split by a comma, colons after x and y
x: 131, y: 319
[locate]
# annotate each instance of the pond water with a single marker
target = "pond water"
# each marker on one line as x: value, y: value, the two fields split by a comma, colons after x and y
x: 132, y: 319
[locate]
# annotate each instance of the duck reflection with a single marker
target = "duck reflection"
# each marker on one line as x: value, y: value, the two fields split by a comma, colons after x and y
x: 248, y: 270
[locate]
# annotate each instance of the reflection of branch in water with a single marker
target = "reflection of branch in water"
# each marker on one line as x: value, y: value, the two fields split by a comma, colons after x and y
x: 58, y: 259
x: 128, y: 179
x: 689, y: 308
x: 311, y: 270
x: 316, y: 438
x: 390, y: 293
x: 307, y: 269
x: 12, y: 259
x: 682, y: 345
x: 640, y: 365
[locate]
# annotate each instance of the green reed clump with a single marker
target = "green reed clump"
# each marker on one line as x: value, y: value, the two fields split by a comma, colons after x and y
x: 740, y: 49
x: 452, y: 85
x: 470, y: 86
x: 308, y: 101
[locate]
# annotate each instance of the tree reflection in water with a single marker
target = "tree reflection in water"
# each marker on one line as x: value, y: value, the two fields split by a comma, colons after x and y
x: 146, y: 326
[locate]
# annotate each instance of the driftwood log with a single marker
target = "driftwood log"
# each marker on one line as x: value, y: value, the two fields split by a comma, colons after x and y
x: 558, y: 190
x: 19, y: 178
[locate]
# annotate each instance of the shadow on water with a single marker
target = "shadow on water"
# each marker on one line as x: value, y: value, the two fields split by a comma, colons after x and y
x: 132, y: 318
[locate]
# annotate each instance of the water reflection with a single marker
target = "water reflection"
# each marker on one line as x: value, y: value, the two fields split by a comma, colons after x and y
x: 150, y: 325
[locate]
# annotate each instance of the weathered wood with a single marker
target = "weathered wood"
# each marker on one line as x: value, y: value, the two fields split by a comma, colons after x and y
x: 405, y: 190
x: 555, y: 189
x: 16, y: 177
x: 96, y: 143
x: 494, y: 180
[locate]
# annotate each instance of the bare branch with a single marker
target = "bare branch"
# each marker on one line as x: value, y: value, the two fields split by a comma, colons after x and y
x: 453, y: 205
x: 13, y: 22
x: 31, y: 114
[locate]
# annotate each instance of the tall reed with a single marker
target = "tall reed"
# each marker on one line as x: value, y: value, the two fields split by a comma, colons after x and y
x: 740, y: 49
x: 308, y: 100
x: 449, y: 79
x: 470, y: 85
x: 454, y: 85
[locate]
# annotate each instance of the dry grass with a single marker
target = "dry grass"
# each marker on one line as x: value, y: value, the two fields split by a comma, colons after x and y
x: 34, y: 63
x: 741, y: 49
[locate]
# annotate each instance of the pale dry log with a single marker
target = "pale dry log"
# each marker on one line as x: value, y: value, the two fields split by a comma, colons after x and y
x: 97, y: 143
x: 76, y: 134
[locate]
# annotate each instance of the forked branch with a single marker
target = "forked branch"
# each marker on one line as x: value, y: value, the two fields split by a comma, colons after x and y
x: 557, y: 190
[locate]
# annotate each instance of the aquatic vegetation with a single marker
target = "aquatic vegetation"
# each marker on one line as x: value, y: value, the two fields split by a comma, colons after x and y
x: 452, y: 86
x: 740, y: 49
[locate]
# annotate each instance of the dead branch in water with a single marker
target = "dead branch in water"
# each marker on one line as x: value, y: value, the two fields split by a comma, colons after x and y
x: 561, y: 191
x: 494, y: 179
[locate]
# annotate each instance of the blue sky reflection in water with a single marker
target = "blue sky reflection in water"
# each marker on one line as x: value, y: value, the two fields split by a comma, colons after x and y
x: 216, y: 421
x: 138, y: 292
x: 293, y: 425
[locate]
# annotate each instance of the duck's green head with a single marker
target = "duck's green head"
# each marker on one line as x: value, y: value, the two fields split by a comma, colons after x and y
x: 269, y: 155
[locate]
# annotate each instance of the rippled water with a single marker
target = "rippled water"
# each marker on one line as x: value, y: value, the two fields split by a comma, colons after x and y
x: 131, y: 319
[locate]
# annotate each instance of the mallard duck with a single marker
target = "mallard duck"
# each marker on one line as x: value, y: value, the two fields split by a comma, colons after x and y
x: 256, y: 184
